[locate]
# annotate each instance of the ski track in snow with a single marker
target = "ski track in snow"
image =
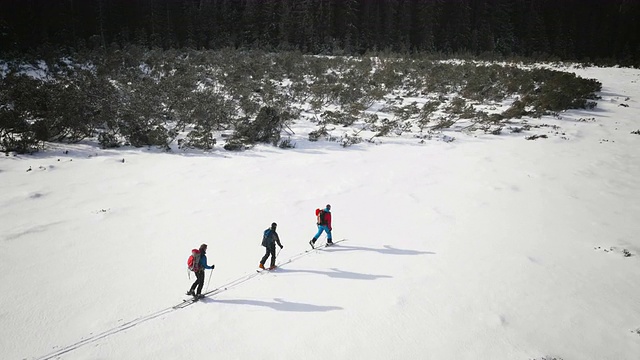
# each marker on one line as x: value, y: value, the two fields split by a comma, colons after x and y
x: 279, y: 305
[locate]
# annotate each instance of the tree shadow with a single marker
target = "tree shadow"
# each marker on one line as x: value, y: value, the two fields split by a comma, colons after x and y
x: 335, y: 273
x: 279, y: 305
x: 386, y: 249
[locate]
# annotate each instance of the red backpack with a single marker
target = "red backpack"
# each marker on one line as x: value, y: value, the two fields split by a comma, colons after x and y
x: 194, y: 260
x: 320, y: 213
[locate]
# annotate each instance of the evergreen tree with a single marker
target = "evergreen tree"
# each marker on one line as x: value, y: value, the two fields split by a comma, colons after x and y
x: 568, y: 29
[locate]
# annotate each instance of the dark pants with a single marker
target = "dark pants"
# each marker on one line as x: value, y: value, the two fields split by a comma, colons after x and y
x: 199, y: 281
x: 269, y: 251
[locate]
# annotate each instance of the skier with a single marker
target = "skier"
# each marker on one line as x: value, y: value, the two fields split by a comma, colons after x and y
x: 324, y: 224
x: 269, y: 240
x: 198, y: 269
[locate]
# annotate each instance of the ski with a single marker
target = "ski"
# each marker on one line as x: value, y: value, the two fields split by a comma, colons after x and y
x: 192, y: 300
x: 184, y: 303
x: 335, y: 242
x: 187, y: 302
x: 324, y: 245
x: 264, y: 270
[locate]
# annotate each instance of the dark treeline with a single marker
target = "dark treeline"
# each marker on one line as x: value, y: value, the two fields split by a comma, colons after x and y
x: 583, y: 30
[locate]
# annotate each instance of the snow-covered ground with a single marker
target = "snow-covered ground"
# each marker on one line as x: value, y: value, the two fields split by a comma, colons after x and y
x: 488, y: 247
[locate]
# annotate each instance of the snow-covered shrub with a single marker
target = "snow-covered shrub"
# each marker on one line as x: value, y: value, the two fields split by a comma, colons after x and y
x: 515, y: 111
x: 338, y: 118
x: 108, y: 140
x: 315, y: 135
x: 348, y: 140
x: 458, y: 106
x: 536, y: 136
x: 265, y: 128
x: 198, y: 139
x: 444, y: 123
x: 407, y: 112
x: 148, y: 97
x: 286, y: 144
x: 16, y: 134
x: 556, y: 91
x: 234, y: 145
x: 483, y: 83
x: 148, y: 136
x: 448, y: 139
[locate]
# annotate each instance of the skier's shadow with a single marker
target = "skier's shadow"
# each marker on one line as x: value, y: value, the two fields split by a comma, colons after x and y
x: 387, y: 250
x: 281, y: 305
x: 334, y: 273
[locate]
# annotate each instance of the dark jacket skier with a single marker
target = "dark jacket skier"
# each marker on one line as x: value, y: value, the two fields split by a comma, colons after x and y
x: 269, y: 240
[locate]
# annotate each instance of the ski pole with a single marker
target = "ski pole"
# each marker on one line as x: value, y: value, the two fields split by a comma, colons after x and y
x: 278, y: 253
x: 208, y: 281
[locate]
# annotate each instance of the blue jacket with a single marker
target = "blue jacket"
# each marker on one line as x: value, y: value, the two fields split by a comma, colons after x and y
x: 203, y: 262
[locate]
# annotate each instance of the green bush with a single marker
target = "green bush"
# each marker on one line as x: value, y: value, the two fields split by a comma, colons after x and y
x: 147, y: 97
x: 286, y: 144
x: 265, y: 128
x: 338, y: 118
x: 235, y: 145
x: 515, y: 111
x: 16, y: 134
x: 108, y: 140
x: 315, y: 135
x: 198, y: 139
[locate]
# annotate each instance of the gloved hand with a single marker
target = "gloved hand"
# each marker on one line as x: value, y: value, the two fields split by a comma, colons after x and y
x: 281, y: 246
x: 213, y: 267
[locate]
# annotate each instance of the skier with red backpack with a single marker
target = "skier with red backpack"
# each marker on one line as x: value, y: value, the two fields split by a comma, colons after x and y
x: 323, y: 217
x: 198, y: 263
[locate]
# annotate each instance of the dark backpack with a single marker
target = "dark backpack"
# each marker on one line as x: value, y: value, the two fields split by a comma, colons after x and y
x: 265, y: 236
x: 321, y: 217
x: 193, y: 263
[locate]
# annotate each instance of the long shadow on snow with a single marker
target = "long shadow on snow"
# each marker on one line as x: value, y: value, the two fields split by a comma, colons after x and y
x: 335, y: 273
x: 280, y: 305
x: 387, y: 250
